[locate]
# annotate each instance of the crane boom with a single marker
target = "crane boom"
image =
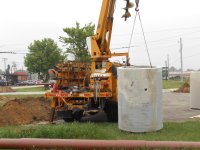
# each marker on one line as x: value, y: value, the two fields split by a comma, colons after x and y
x: 100, y: 42
x: 104, y: 28
x: 100, y: 47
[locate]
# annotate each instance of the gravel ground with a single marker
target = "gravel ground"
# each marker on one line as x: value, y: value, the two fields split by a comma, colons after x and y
x: 176, y: 107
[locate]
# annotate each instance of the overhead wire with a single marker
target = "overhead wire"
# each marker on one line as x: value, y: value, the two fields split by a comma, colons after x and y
x: 157, y: 31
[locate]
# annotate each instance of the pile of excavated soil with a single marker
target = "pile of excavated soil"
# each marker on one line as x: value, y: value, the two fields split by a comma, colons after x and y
x: 24, y: 111
x: 4, y: 89
x: 185, y: 88
x: 4, y: 100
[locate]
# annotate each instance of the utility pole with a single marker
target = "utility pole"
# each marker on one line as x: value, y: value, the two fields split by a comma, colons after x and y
x: 166, y: 70
x: 168, y: 60
x: 4, y: 60
x: 168, y: 66
x: 181, y: 56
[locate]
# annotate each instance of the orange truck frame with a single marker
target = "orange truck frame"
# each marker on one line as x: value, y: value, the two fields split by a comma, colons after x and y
x: 83, y: 89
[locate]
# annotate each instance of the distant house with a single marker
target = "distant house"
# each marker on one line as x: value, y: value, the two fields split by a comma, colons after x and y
x: 20, y: 76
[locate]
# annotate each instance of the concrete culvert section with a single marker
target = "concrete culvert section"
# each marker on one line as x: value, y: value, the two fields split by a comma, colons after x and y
x: 140, y: 99
x: 194, y: 90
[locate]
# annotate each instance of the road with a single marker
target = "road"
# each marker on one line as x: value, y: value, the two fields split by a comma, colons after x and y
x: 176, y: 106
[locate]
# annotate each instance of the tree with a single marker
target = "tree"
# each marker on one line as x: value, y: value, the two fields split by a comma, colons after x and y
x: 1, y: 71
x: 42, y: 56
x: 76, y: 41
x: 190, y: 69
x: 172, y: 69
x: 8, y: 70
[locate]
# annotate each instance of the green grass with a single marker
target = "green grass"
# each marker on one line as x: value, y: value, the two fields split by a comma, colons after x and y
x: 167, y: 84
x: 25, y: 96
x: 172, y: 131
x: 33, y: 89
x: 171, y: 84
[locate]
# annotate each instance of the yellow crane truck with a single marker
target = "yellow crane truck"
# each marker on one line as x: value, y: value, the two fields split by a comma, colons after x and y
x: 83, y: 89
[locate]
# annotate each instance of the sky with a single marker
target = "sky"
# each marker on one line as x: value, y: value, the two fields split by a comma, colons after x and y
x: 164, y: 23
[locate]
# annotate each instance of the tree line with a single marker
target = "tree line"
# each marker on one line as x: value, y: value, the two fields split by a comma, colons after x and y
x: 45, y: 54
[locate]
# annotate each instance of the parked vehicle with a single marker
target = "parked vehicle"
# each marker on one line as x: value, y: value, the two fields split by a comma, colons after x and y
x: 27, y: 82
x: 39, y: 81
x: 3, y: 82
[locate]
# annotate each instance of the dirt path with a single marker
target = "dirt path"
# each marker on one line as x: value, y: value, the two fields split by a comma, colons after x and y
x: 176, y: 107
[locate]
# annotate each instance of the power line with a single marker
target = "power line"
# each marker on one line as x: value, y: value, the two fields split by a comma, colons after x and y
x: 7, y: 52
x: 172, y: 37
x: 197, y: 54
x: 181, y: 58
x: 163, y: 30
x: 123, y: 47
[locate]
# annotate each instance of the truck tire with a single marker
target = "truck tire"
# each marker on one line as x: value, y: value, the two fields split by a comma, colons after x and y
x: 66, y: 115
x: 68, y: 119
x: 111, y: 110
x: 77, y: 114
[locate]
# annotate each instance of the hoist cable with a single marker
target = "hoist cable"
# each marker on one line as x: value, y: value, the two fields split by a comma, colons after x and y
x: 144, y: 39
x: 132, y: 33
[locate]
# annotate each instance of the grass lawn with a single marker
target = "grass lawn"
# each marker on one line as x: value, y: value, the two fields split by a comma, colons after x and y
x: 24, y: 96
x: 33, y: 89
x: 167, y: 84
x: 171, y: 84
x: 172, y: 131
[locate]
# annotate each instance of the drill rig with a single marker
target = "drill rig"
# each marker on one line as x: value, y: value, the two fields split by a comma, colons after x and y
x: 82, y: 88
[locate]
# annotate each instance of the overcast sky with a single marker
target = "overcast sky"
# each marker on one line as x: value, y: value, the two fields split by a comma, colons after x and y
x: 164, y: 22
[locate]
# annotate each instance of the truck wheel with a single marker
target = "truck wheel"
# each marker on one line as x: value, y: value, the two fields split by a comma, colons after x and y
x: 66, y: 115
x: 68, y: 119
x: 111, y: 110
x: 77, y: 114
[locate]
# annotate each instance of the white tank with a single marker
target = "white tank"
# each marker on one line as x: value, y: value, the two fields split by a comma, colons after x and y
x: 195, y: 90
x: 140, y: 99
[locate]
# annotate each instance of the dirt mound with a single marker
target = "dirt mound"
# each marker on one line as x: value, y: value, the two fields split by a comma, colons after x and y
x: 4, y: 89
x: 185, y: 88
x: 24, y: 111
x: 4, y: 100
